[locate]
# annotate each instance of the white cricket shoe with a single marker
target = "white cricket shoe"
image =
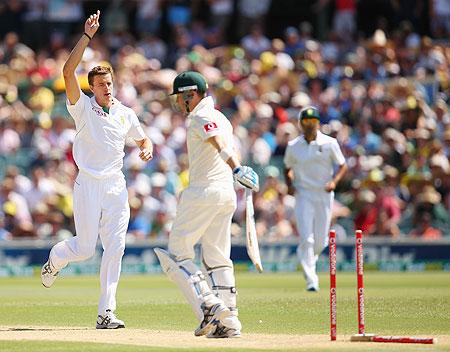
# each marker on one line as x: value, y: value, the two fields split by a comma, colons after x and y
x: 222, y: 331
x: 48, y: 274
x: 109, y: 321
x: 211, y: 317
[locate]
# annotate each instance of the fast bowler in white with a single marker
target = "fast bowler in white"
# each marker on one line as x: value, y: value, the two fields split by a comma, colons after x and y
x: 100, y: 198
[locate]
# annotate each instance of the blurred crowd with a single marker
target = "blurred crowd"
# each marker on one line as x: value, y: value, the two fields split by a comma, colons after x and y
x: 381, y: 82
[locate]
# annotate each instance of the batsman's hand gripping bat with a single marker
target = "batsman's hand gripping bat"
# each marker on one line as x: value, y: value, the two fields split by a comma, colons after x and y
x: 250, y: 231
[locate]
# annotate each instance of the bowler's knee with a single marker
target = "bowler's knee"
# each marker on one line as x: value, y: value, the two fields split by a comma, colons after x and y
x: 116, y: 250
x: 85, y: 252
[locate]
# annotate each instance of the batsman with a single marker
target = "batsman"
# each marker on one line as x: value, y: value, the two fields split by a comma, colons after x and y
x: 205, y: 211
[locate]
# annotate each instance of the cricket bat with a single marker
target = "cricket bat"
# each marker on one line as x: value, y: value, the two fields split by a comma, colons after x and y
x: 250, y: 231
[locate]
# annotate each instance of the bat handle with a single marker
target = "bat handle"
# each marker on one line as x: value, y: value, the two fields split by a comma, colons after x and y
x: 248, y: 193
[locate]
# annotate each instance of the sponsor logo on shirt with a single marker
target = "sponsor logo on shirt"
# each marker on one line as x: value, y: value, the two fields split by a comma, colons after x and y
x: 210, y: 127
x: 99, y: 112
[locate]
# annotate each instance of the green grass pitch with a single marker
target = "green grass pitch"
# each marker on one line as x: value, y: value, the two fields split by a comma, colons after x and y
x: 396, y: 304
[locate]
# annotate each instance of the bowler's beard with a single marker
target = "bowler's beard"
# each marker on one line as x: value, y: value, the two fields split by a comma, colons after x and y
x: 310, y: 132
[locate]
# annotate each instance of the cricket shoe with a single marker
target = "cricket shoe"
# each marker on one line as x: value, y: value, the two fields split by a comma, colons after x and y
x: 211, y: 318
x: 312, y: 289
x: 109, y: 321
x: 48, y: 274
x: 222, y: 332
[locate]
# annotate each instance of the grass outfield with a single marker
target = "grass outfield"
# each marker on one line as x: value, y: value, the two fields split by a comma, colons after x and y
x: 396, y: 304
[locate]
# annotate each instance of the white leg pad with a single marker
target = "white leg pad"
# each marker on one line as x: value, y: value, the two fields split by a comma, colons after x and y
x: 190, y: 280
x: 223, y: 285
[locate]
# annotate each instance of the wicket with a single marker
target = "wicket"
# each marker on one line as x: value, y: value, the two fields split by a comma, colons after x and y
x: 332, y: 249
x: 361, y: 336
x: 360, y: 280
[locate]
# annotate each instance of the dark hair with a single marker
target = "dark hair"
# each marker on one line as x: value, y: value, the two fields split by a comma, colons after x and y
x: 99, y: 70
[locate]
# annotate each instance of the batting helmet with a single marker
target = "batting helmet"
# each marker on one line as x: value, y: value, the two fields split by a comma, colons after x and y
x: 189, y: 80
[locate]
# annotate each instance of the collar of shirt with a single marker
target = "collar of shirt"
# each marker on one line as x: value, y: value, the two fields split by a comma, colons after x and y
x: 205, y: 103
x: 115, y: 104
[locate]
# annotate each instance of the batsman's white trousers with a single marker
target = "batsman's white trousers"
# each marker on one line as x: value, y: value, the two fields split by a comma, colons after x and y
x: 100, y: 207
x: 204, y: 215
x: 313, y: 215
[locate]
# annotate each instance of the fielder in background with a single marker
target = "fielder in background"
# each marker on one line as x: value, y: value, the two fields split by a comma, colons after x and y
x: 310, y: 161
x: 205, y: 211
x: 100, y: 198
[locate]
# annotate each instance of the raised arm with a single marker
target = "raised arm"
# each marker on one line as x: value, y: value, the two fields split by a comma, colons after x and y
x: 72, y: 86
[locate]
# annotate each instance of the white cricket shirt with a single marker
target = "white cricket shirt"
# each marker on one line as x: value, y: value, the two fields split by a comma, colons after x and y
x: 98, y: 148
x: 313, y: 163
x: 205, y: 164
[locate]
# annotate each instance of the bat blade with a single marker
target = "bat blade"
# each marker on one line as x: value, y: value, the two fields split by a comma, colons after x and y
x: 250, y: 232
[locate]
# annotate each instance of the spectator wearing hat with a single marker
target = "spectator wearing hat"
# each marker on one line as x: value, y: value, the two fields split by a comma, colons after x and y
x: 309, y: 167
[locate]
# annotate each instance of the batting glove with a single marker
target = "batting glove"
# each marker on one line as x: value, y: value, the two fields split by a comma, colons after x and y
x: 247, y: 177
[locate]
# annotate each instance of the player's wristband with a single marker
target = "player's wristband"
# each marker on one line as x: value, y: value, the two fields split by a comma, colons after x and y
x: 226, y: 153
x: 87, y: 35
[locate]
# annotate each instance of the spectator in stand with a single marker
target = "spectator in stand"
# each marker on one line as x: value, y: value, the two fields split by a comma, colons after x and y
x: 148, y: 16
x: 255, y: 42
x: 344, y: 21
x: 139, y: 226
x: 440, y: 15
x: 366, y: 214
x: 250, y: 13
x: 4, y: 233
x: 423, y: 228
x: 9, y: 139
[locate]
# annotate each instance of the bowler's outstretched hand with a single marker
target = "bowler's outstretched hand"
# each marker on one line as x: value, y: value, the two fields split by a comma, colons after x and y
x: 92, y: 24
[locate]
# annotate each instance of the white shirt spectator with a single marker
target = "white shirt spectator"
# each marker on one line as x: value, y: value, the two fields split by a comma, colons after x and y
x: 9, y: 141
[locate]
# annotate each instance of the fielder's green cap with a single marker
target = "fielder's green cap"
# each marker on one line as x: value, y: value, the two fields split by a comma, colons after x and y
x: 189, y: 80
x: 310, y: 112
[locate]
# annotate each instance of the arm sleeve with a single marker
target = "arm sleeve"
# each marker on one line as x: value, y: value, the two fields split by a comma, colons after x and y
x: 336, y: 153
x: 288, y: 158
x: 207, y: 127
x: 78, y: 109
x: 136, y: 132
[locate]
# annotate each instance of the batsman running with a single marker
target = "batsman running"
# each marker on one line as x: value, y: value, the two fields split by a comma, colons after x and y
x: 309, y: 167
x: 205, y: 211
x: 100, y: 198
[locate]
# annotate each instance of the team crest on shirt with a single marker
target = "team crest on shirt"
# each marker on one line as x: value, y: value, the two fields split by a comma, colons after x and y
x: 99, y: 112
x: 210, y: 127
x: 122, y: 120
